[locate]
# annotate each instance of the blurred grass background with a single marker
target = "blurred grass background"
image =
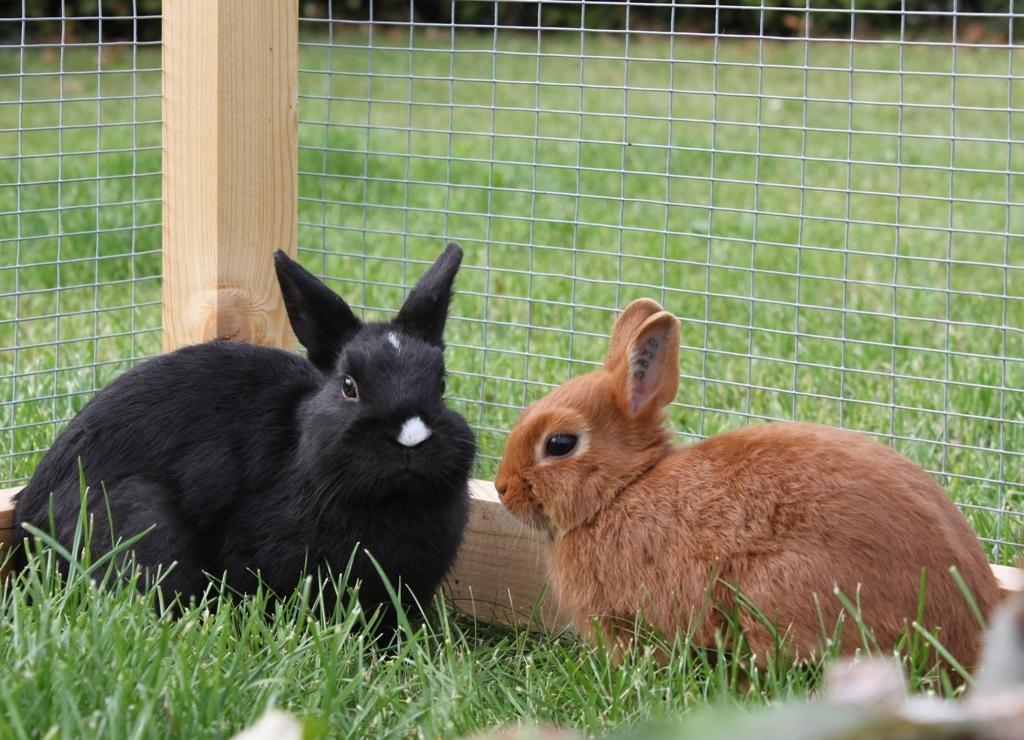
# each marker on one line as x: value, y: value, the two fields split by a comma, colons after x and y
x: 838, y: 226
x: 834, y: 261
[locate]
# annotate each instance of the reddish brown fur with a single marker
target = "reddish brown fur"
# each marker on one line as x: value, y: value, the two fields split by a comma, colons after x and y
x: 785, y: 512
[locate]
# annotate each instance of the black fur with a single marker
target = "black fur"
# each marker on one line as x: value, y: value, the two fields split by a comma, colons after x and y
x: 248, y: 459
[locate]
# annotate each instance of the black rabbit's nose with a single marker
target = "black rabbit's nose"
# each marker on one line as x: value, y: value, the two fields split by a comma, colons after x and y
x: 413, y: 432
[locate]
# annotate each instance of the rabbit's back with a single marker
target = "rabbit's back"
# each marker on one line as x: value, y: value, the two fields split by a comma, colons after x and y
x: 788, y: 513
x: 807, y: 484
x: 214, y: 422
x: 834, y: 509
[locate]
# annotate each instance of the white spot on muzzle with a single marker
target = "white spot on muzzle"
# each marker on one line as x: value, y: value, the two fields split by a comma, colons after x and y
x: 414, y: 431
x: 393, y: 340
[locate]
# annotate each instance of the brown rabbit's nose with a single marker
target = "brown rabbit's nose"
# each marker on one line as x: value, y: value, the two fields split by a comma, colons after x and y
x: 500, y: 486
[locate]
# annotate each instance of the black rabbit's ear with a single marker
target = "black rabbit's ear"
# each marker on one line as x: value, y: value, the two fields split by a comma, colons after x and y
x: 424, y: 312
x: 321, y: 320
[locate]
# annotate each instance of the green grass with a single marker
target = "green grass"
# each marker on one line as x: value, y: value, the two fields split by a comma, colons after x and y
x: 84, y: 657
x: 814, y: 289
x: 99, y: 665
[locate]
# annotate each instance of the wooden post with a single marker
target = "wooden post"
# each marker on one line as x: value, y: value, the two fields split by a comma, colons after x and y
x: 230, y: 138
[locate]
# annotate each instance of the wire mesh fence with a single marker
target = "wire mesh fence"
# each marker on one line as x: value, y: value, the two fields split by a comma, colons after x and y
x: 79, y: 212
x: 830, y: 199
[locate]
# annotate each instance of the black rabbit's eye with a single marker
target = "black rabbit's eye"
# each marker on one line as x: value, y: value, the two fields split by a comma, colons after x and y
x: 349, y: 389
x: 559, y: 445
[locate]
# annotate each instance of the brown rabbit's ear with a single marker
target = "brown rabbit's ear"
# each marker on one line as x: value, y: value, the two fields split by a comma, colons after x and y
x: 625, y: 327
x: 650, y: 373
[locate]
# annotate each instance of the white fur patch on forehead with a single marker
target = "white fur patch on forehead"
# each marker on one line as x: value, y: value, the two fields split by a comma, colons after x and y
x: 414, y: 432
x: 394, y: 341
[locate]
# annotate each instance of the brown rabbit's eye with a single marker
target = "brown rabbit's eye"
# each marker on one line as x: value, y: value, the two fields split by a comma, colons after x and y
x: 349, y: 389
x: 559, y: 445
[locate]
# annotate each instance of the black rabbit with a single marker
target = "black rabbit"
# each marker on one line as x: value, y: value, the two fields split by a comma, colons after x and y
x: 251, y: 460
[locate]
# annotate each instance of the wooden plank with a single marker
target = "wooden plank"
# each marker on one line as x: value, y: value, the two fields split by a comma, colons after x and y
x: 230, y: 139
x: 6, y: 522
x: 7, y: 507
x: 502, y: 565
x: 1011, y: 580
x: 501, y: 571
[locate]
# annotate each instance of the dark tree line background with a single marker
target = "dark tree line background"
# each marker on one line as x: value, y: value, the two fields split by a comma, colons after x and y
x: 785, y: 18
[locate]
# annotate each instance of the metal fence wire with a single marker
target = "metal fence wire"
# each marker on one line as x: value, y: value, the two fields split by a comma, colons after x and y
x: 834, y: 212
x: 79, y: 212
x: 830, y: 198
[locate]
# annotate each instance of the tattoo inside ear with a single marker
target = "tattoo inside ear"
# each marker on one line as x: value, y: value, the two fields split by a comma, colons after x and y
x: 644, y: 370
x: 642, y: 357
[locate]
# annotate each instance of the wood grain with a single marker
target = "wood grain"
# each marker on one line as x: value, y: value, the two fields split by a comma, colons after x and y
x: 501, y: 572
x: 230, y: 138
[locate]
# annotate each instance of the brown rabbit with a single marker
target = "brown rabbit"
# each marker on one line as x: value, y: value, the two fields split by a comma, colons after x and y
x: 785, y: 513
